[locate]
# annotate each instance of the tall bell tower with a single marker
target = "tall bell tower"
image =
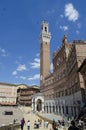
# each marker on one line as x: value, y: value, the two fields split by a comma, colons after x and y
x: 45, y: 37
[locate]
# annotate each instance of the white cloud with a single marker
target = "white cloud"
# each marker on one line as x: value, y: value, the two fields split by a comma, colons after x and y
x: 22, y: 77
x: 65, y: 28
x: 37, y: 60
x: 3, y: 52
x: 36, y: 63
x: 36, y: 76
x: 71, y: 13
x: 21, y: 67
x: 14, y: 72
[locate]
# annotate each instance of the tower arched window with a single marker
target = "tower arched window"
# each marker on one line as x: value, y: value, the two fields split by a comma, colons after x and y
x: 45, y: 29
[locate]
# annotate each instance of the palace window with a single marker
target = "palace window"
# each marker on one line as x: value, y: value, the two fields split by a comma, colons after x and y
x: 62, y: 93
x: 58, y: 94
x: 66, y: 92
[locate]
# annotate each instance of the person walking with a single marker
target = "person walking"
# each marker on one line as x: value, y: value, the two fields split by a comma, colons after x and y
x: 80, y: 124
x: 22, y: 123
x: 28, y: 125
x: 54, y: 125
x: 73, y: 126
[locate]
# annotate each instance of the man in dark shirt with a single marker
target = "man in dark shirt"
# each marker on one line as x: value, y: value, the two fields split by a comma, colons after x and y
x: 73, y: 127
x: 22, y: 123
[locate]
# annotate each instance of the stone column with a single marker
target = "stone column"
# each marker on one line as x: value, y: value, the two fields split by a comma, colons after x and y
x: 35, y: 106
x: 51, y: 109
x: 42, y: 106
x: 32, y: 105
x: 45, y: 109
x: 58, y: 110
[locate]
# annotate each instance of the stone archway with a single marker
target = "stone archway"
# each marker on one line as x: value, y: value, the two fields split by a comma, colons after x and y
x: 38, y: 102
x: 39, y: 105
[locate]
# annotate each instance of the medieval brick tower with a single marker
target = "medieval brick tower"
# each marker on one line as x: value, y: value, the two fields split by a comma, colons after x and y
x: 45, y: 38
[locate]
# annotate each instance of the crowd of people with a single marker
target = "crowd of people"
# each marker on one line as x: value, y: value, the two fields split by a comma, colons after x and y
x: 72, y: 125
x: 37, y: 124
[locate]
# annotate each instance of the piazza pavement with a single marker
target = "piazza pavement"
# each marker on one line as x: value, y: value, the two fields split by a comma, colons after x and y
x: 28, y: 115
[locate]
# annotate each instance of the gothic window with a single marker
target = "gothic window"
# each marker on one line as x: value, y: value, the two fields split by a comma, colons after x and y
x: 76, y: 87
x: 58, y: 94
x: 76, y: 80
x: 62, y: 93
x: 66, y: 92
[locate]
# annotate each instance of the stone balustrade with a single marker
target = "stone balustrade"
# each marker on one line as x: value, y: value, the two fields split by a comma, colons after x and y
x: 15, y: 126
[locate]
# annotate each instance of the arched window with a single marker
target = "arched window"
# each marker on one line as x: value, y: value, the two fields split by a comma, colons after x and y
x: 45, y: 29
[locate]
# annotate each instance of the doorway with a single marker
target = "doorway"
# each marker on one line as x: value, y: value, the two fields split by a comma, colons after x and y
x: 39, y: 105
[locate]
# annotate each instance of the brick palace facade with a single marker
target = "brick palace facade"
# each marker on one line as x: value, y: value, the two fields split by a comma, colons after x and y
x: 63, y: 88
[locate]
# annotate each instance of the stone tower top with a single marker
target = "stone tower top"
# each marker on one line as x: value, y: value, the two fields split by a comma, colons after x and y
x: 45, y: 35
x: 44, y: 27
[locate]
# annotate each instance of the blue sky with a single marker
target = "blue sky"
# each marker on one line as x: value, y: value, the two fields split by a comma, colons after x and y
x: 20, y: 22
